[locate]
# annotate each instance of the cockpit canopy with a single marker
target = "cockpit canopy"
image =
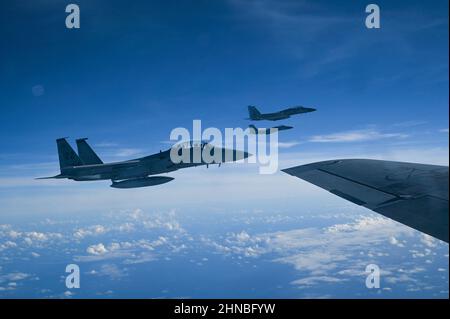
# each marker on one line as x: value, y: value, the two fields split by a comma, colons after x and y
x: 192, y: 144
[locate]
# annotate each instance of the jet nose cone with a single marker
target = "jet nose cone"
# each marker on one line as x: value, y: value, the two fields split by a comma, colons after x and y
x: 310, y: 109
x: 247, y: 154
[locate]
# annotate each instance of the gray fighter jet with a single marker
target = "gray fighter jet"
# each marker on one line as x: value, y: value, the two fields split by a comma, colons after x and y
x: 87, y: 166
x: 415, y: 195
x: 255, y: 115
x: 254, y: 130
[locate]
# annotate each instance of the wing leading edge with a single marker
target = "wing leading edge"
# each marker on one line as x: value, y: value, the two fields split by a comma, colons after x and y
x: 413, y: 194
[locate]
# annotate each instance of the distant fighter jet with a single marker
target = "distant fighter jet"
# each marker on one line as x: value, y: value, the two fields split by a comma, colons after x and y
x: 415, y: 195
x: 254, y: 130
x: 255, y: 115
x: 87, y: 166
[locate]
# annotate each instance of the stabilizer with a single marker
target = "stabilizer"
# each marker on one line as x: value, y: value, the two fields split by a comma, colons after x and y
x: 253, y: 112
x: 86, y: 153
x: 67, y: 156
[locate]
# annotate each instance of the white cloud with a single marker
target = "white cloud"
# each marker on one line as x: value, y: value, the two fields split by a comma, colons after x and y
x: 37, y: 236
x: 90, y: 231
x: 308, y: 281
x: 168, y: 222
x: 427, y: 240
x: 110, y: 270
x: 242, y: 236
x: 114, y: 246
x: 38, y: 239
x: 127, y: 152
x: 288, y: 144
x: 131, y: 251
x: 8, y: 244
x: 394, y: 241
x: 15, y: 276
x: 14, y: 234
x: 355, y: 136
x: 413, y: 270
x: 320, y: 252
x: 399, y: 279
x: 106, y: 144
x: 126, y: 227
x: 239, y: 244
x: 317, y: 262
x: 140, y: 258
x: 109, y: 255
x: 98, y: 249
x: 30, y: 238
x: 330, y: 254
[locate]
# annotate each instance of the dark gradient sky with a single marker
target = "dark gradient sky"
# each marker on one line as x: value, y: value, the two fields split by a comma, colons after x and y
x: 135, y: 70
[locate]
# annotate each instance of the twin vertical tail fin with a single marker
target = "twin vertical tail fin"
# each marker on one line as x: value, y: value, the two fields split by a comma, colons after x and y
x: 67, y: 156
x: 86, y: 153
x: 253, y: 113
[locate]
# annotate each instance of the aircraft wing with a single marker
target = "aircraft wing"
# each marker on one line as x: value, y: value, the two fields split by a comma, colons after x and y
x: 413, y: 194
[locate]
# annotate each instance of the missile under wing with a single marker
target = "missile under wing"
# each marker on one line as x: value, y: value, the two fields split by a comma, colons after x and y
x: 413, y: 194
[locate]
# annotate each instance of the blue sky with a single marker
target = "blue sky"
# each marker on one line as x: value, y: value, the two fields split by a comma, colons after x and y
x: 136, y: 70
x: 133, y: 72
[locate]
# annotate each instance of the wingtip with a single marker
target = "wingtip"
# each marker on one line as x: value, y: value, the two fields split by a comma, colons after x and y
x: 288, y: 170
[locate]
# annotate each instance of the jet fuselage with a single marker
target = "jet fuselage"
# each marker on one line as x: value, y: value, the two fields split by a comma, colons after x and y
x: 158, y: 163
x: 281, y: 115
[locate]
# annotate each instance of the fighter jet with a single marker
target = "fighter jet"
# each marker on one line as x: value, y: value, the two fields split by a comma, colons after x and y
x: 413, y: 194
x: 87, y: 166
x: 255, y: 115
x: 254, y: 130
